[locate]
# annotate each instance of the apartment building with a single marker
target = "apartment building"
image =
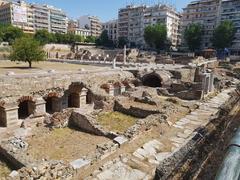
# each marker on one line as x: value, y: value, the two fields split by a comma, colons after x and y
x: 41, y: 17
x: 133, y: 20
x: 32, y: 17
x: 58, y: 20
x: 91, y: 23
x: 204, y: 12
x: 230, y: 10
x: 112, y: 28
x: 166, y: 15
x: 18, y: 14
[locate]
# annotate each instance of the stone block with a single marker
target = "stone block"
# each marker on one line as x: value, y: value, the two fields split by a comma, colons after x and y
x: 120, y: 140
x: 79, y: 163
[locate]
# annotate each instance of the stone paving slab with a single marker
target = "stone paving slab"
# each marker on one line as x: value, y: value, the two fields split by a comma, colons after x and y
x: 178, y: 140
x: 177, y: 126
x: 161, y: 156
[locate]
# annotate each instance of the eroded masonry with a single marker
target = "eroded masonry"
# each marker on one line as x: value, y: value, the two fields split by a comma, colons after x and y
x: 133, y: 122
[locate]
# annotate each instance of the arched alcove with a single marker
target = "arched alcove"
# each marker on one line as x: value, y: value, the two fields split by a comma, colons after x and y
x: 152, y: 80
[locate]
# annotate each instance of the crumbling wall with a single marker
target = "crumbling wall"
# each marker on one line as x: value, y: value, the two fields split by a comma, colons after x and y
x: 87, y: 123
x: 134, y: 111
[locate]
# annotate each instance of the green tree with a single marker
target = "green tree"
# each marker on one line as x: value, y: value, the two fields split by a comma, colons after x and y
x: 122, y: 41
x: 223, y: 35
x: 28, y: 50
x: 43, y: 36
x: 10, y: 33
x: 104, y: 40
x: 156, y: 36
x: 193, y: 36
x: 90, y: 39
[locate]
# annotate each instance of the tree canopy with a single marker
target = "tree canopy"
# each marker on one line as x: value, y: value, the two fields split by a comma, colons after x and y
x: 9, y: 33
x: 28, y: 50
x: 223, y: 35
x: 43, y: 36
x: 156, y: 36
x: 104, y: 40
x: 193, y: 36
x: 122, y: 41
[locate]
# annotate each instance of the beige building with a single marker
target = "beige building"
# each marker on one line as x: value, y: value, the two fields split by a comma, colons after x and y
x: 133, y: 20
x: 18, y: 14
x: 73, y: 27
x: 91, y: 23
x: 204, y: 12
x: 32, y: 17
x: 112, y: 28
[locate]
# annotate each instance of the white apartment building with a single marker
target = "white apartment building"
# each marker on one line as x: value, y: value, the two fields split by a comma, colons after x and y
x: 18, y: 14
x: 230, y: 10
x: 112, y: 28
x: 133, y: 20
x: 58, y: 20
x: 204, y: 12
x: 91, y: 23
x: 32, y: 17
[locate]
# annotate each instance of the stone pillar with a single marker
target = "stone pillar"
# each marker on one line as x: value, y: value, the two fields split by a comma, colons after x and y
x: 40, y: 107
x: 83, y: 97
x: 114, y: 63
x: 122, y: 89
x: 111, y: 90
x: 211, y: 88
x: 124, y: 54
x: 11, y: 116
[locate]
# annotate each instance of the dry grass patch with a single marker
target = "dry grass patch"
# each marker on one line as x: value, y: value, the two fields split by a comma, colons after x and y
x: 4, y: 170
x: 63, y: 144
x: 21, y: 67
x: 116, y: 121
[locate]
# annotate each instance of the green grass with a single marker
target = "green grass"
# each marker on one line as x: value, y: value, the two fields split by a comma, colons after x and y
x: 115, y: 121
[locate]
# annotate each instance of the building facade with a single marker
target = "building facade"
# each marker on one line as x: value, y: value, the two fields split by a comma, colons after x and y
x: 133, y: 20
x: 112, y: 28
x: 58, y: 20
x: 73, y: 28
x: 18, y: 14
x: 230, y: 10
x: 204, y: 12
x: 32, y: 17
x: 91, y: 23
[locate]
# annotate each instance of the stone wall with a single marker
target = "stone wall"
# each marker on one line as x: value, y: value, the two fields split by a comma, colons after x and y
x: 87, y: 123
x: 134, y: 111
x: 187, y: 159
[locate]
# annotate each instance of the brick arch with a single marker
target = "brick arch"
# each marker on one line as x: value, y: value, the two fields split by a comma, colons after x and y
x: 53, y: 94
x: 75, y: 87
x: 26, y: 106
x: 26, y: 98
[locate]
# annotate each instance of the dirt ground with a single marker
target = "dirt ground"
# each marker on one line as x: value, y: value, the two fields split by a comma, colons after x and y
x: 21, y: 67
x: 4, y: 170
x: 62, y: 144
x: 115, y: 121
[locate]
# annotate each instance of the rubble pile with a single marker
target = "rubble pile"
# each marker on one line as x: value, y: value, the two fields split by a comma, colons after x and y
x: 17, y: 143
x: 46, y: 170
x: 59, y: 119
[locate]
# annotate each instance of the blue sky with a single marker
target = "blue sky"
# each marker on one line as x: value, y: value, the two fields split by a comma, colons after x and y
x: 104, y: 9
